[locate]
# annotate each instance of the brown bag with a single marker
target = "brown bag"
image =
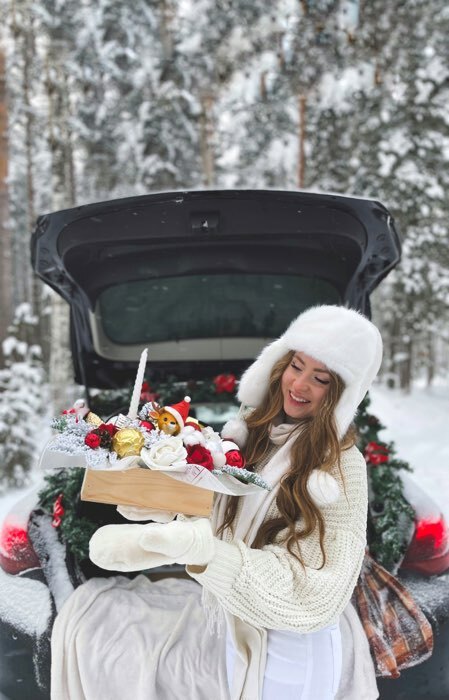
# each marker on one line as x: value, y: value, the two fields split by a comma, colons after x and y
x: 398, y: 632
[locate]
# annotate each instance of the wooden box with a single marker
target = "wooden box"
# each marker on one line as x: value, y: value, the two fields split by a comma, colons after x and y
x: 145, y: 488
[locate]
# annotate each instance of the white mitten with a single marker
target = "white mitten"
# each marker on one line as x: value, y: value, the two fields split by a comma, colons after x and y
x: 137, y: 513
x: 140, y: 547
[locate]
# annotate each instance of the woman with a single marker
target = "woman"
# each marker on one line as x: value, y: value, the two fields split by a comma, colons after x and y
x: 279, y: 567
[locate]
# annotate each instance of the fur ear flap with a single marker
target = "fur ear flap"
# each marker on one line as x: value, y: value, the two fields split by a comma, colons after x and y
x: 323, y: 488
x: 235, y: 430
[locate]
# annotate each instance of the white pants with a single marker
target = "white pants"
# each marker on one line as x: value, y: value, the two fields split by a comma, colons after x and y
x: 299, y: 666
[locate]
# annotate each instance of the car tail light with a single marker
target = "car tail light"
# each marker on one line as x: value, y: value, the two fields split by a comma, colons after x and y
x: 16, y: 551
x: 428, y: 552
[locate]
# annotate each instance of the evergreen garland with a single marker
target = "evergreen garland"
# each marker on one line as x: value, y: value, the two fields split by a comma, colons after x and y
x: 221, y: 388
x: 74, y: 531
x: 390, y: 516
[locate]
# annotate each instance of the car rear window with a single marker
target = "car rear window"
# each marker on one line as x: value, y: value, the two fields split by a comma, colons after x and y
x: 208, y: 306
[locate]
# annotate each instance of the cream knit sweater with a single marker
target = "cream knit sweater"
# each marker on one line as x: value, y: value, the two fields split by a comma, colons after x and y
x: 269, y: 588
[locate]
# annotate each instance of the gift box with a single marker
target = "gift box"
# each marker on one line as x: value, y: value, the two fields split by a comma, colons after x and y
x: 146, y: 488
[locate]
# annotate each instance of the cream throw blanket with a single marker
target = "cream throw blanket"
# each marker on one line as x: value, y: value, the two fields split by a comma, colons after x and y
x: 121, y: 639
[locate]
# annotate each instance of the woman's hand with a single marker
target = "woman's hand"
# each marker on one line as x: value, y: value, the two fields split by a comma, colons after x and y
x: 140, y: 547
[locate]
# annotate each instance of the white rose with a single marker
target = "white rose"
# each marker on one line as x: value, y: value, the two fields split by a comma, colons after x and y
x: 169, y: 454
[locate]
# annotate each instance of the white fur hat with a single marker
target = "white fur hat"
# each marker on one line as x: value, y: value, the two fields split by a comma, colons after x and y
x: 343, y: 339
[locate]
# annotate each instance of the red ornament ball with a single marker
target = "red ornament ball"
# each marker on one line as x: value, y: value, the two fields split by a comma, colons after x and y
x: 235, y: 459
x: 92, y: 440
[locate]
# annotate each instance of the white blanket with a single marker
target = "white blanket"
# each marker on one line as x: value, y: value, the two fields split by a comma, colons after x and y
x: 119, y: 639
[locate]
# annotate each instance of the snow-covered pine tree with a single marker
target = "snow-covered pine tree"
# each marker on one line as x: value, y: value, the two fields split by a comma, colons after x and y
x: 256, y: 111
x: 225, y: 50
x: 20, y: 75
x: 384, y: 135
x: 105, y: 58
x: 174, y: 131
x: 266, y: 111
x: 27, y: 159
x: 56, y: 25
x: 6, y: 281
x: 419, y: 290
x: 23, y: 399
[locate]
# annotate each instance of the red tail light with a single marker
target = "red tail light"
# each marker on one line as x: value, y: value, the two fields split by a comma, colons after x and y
x: 428, y: 551
x: 16, y: 550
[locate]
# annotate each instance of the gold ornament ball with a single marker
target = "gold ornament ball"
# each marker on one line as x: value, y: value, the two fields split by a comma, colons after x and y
x: 127, y: 442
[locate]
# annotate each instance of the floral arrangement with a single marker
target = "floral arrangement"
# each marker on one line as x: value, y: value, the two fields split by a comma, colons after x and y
x: 163, y: 438
x: 147, y: 442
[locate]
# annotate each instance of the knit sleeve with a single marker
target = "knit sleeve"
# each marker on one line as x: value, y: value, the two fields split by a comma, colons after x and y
x: 271, y: 588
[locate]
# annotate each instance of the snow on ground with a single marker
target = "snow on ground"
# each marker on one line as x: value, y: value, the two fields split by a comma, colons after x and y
x: 418, y: 424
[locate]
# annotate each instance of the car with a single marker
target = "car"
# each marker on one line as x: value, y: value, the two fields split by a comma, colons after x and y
x: 203, y: 279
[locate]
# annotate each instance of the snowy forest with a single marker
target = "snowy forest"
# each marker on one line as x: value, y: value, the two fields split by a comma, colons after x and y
x: 116, y: 98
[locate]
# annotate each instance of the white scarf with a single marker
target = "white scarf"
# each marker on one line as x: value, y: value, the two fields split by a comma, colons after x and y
x: 257, y: 506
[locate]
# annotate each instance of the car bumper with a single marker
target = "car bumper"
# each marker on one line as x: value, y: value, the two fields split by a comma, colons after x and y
x: 25, y: 604
x: 25, y: 619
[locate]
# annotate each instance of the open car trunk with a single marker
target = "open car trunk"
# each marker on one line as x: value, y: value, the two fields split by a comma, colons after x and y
x: 205, y: 279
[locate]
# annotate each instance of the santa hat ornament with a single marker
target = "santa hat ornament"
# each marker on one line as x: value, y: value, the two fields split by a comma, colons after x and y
x: 345, y: 341
x: 180, y: 410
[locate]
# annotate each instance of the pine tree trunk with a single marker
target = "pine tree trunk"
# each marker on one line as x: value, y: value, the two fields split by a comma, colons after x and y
x: 6, y: 283
x: 23, y: 33
x: 206, y: 141
x: 166, y: 31
x: 61, y: 369
x: 394, y: 347
x: 406, y: 367
x: 33, y: 284
x: 430, y: 359
x: 302, y: 104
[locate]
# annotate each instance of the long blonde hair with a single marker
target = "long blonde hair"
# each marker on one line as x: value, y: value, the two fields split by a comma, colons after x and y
x: 316, y: 447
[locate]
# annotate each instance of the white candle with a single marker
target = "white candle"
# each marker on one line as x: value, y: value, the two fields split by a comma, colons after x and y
x: 135, y: 398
